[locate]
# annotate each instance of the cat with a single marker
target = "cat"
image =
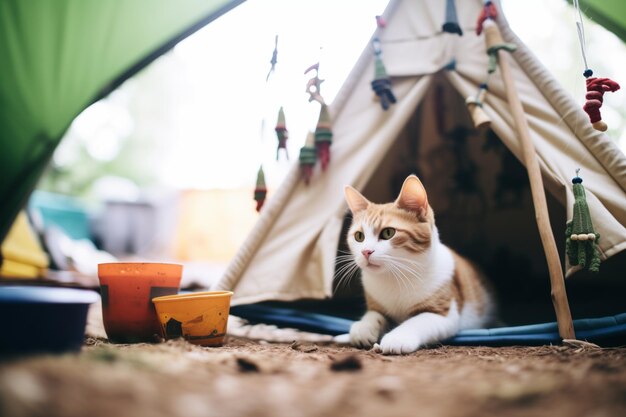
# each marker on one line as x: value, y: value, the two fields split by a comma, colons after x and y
x: 411, y: 279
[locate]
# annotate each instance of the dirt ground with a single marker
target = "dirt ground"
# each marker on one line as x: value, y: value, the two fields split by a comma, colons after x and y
x: 251, y: 378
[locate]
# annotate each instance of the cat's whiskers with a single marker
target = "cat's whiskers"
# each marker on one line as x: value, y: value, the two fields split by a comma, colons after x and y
x: 408, y: 279
x: 401, y: 263
x: 345, y: 271
x: 346, y: 277
x: 398, y: 275
x: 416, y: 269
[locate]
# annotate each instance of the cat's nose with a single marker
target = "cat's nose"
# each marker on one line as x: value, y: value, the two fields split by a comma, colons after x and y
x: 367, y: 254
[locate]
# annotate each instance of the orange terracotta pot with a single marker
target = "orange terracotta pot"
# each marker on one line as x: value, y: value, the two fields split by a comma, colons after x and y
x: 127, y: 290
x: 200, y: 318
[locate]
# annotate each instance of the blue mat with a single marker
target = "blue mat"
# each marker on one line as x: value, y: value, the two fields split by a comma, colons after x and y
x: 611, y: 330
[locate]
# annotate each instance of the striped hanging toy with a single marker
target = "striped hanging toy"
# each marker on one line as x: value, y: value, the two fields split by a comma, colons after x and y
x: 260, y: 191
x: 596, y: 87
x: 381, y: 84
x: 581, y: 243
x: 323, y: 137
x: 308, y: 158
x: 281, y: 133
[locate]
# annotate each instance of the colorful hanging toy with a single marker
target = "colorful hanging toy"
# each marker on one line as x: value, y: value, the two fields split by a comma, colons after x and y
x: 596, y: 87
x: 451, y: 25
x: 381, y: 83
x: 381, y: 22
x: 489, y: 12
x: 260, y: 191
x: 281, y: 133
x: 313, y: 86
x: 308, y: 157
x: 274, y: 59
x: 323, y: 137
x: 581, y: 242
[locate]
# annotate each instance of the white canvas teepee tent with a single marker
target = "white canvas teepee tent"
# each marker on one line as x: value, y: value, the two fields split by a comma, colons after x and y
x: 291, y: 252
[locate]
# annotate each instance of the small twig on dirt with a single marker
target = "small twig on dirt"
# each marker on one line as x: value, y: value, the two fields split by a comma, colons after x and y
x: 347, y: 363
x: 246, y: 365
x: 95, y: 341
x: 581, y: 345
x: 303, y: 348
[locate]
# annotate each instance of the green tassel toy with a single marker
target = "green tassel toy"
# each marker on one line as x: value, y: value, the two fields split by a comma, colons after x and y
x: 581, y: 243
x: 260, y: 191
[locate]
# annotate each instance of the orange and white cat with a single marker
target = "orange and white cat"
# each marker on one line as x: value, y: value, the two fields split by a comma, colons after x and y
x: 418, y: 290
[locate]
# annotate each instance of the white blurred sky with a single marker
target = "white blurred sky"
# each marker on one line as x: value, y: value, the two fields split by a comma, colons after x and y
x: 213, y: 84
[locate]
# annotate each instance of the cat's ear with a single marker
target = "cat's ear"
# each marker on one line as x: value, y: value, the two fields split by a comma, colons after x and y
x: 413, y: 196
x: 355, y: 200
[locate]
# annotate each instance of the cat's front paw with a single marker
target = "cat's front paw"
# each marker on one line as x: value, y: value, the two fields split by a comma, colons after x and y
x: 364, y: 334
x: 398, y: 342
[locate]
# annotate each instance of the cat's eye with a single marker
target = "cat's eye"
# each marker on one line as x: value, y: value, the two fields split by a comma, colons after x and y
x: 387, y: 233
x: 359, y: 236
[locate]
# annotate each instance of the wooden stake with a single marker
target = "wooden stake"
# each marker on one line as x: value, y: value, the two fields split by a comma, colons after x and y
x: 559, y: 295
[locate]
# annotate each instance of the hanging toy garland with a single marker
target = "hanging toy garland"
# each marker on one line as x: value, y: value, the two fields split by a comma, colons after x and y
x: 381, y: 83
x: 581, y: 243
x: 260, y: 191
x: 317, y: 145
x: 596, y: 87
x: 451, y: 25
x: 323, y: 137
x: 281, y: 133
x: 308, y: 158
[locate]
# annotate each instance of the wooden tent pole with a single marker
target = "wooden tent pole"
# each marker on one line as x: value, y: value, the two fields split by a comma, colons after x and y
x: 557, y: 282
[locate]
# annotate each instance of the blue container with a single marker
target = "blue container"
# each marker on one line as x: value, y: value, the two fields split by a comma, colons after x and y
x: 43, y: 319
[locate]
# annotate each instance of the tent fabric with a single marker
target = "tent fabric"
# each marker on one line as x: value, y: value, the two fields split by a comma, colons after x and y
x: 300, y: 225
x: 59, y: 57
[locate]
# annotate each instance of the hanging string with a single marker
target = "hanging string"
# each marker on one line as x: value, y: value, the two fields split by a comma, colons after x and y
x: 580, y: 27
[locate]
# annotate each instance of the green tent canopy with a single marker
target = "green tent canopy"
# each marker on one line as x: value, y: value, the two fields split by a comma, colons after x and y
x: 609, y: 13
x: 58, y: 57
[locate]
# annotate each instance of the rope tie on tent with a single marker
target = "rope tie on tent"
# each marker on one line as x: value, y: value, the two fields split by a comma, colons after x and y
x: 381, y: 83
x: 596, y: 87
x: 475, y: 108
x: 308, y: 158
x: 451, y: 25
x: 281, y: 133
x: 494, y: 42
x: 581, y: 244
x: 260, y: 191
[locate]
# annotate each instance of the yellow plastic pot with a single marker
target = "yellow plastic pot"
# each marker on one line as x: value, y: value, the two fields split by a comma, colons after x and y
x: 200, y: 318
